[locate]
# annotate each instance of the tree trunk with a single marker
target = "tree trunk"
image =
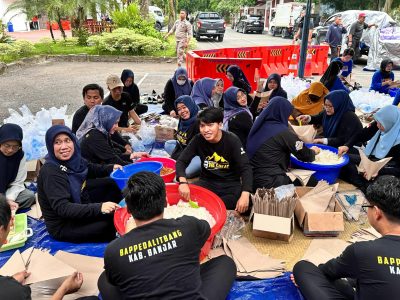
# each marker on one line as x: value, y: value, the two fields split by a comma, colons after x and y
x: 51, y: 32
x: 93, y: 11
x: 171, y: 14
x: 60, y: 25
x: 388, y: 6
x: 144, y: 8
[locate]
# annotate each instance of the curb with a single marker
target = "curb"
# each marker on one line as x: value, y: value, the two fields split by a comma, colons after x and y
x: 40, y: 59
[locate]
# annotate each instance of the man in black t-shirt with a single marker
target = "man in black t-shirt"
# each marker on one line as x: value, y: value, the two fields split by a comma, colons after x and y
x: 375, y: 265
x: 93, y: 95
x: 159, y: 259
x: 225, y: 168
x: 123, y: 102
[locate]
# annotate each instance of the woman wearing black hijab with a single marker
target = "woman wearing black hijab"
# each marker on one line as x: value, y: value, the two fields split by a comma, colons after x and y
x: 130, y: 87
x: 13, y: 168
x: 76, y: 197
x: 272, y: 89
x: 331, y: 79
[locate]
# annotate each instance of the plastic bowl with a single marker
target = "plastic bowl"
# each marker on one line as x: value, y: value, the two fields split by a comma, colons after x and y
x: 328, y: 173
x: 121, y: 176
x: 167, y: 162
x: 202, y: 196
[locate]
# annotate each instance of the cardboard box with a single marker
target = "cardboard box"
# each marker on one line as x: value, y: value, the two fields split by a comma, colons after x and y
x: 319, y: 223
x: 57, y: 122
x: 33, y: 168
x: 164, y: 133
x: 272, y: 227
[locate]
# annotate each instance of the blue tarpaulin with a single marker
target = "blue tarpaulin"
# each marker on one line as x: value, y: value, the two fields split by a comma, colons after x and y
x: 270, y: 289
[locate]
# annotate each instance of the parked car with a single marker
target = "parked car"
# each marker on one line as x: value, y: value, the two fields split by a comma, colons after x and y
x: 158, y: 15
x: 209, y: 24
x: 250, y: 23
x: 379, y: 18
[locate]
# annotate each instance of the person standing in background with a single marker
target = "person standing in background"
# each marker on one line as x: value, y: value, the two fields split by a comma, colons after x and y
x: 298, y: 35
x: 355, y: 34
x: 183, y: 33
x: 334, y: 36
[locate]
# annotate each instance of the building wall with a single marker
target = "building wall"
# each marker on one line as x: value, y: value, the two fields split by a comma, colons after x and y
x: 18, y: 19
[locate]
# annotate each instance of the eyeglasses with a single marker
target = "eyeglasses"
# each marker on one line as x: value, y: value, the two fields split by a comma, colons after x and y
x: 12, y: 147
x: 328, y: 106
x: 366, y: 206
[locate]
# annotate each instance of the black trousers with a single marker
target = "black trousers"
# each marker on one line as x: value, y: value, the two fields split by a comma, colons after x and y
x: 229, y: 192
x: 141, y: 108
x: 217, y: 276
x: 99, y: 229
x: 314, y: 285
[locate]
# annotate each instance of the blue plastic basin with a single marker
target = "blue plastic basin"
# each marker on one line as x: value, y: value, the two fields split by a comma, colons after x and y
x: 328, y: 173
x: 121, y: 176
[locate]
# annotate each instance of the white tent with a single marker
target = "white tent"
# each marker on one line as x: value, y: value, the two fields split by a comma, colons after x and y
x: 17, y: 18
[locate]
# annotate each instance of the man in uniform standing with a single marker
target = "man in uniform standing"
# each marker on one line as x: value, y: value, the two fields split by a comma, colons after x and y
x: 183, y: 33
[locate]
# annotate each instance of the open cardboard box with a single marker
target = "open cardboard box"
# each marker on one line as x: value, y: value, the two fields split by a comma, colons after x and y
x: 272, y: 227
x: 319, y: 223
x: 33, y: 168
x: 164, y: 133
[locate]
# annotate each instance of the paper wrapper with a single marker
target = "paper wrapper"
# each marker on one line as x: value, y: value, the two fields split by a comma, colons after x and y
x: 369, y: 167
x: 319, y: 198
x: 302, y: 175
x: 306, y: 133
x: 322, y: 250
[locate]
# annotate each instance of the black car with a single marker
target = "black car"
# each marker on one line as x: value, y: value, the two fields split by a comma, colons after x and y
x: 250, y: 23
x: 209, y: 24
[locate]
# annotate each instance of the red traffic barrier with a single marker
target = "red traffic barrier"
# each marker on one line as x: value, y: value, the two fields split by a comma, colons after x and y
x: 215, y: 67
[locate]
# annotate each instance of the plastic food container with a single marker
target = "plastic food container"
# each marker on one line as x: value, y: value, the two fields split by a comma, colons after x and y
x: 167, y: 162
x: 202, y: 196
x: 121, y: 176
x: 328, y: 173
x: 21, y: 234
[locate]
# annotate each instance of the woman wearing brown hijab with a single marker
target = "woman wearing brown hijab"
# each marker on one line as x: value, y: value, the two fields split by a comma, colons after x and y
x: 310, y: 101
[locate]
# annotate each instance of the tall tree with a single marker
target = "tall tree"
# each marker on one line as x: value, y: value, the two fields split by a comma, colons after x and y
x: 144, y: 8
x: 388, y: 6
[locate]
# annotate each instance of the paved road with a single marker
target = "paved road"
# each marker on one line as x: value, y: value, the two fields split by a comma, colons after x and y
x: 235, y: 39
x: 57, y: 84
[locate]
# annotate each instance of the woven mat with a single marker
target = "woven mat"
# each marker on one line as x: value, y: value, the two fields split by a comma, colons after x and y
x: 292, y: 252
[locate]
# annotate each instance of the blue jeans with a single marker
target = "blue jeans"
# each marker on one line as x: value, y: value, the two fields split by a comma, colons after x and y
x: 193, y: 169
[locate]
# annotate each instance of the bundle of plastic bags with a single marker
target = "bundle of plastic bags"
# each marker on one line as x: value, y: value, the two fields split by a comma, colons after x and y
x: 34, y: 128
x: 293, y: 85
x: 369, y: 101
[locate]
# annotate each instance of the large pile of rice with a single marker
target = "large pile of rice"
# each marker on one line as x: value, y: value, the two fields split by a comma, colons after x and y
x: 327, y: 157
x: 182, y: 208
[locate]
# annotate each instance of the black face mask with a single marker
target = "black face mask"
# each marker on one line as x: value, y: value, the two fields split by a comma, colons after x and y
x: 314, y: 98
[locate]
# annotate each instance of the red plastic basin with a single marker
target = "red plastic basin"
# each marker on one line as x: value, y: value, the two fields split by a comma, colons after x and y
x: 201, y: 195
x: 167, y: 162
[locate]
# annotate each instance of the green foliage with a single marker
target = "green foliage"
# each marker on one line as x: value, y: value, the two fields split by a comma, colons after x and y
x: 16, y: 50
x: 130, y: 18
x: 126, y: 41
x: 82, y: 36
x: 4, y: 37
x: 227, y: 7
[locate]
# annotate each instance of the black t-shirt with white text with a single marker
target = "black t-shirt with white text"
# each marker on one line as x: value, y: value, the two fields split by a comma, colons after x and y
x: 125, y: 104
x: 159, y: 260
x: 374, y: 264
x: 223, y: 161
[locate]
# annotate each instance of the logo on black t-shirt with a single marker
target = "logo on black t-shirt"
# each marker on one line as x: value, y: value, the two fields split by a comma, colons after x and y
x: 215, y: 162
x: 181, y: 137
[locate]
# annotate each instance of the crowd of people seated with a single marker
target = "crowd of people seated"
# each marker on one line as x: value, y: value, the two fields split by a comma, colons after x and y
x: 230, y: 140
